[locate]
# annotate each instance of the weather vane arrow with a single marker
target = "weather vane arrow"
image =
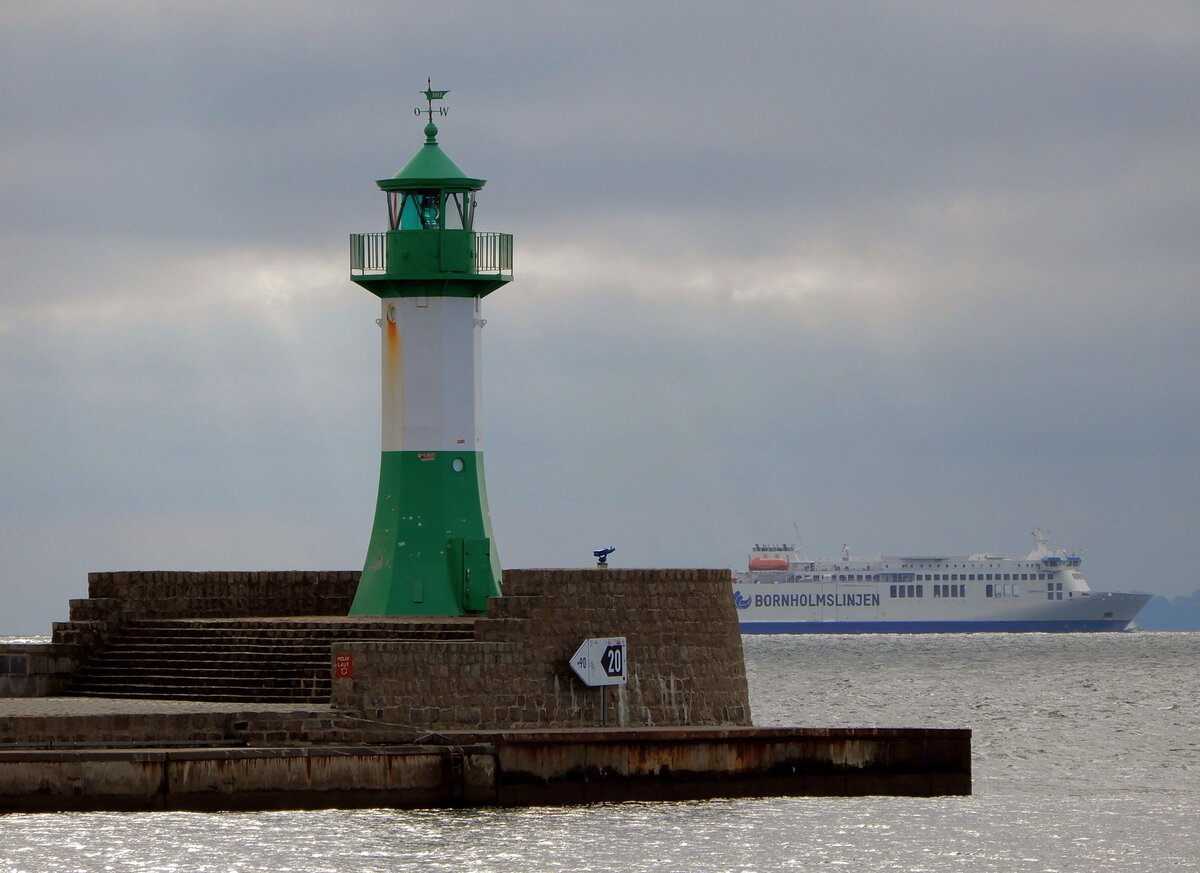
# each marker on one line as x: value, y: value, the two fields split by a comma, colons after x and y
x: 430, y: 96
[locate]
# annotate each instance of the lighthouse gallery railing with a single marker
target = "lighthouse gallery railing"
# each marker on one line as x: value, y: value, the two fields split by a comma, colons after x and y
x: 493, y: 254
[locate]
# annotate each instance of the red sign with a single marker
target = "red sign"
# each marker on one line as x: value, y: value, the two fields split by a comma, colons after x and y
x: 343, y: 666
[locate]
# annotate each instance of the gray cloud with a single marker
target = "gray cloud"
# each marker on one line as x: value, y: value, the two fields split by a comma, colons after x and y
x: 913, y: 275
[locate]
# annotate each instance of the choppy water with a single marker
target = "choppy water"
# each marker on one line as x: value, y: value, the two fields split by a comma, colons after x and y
x: 1086, y: 758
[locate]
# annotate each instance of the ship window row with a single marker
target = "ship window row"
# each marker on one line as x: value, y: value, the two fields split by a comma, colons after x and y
x: 1054, y: 591
x: 1002, y: 591
x: 925, y: 577
x: 983, y: 577
x: 973, y: 563
x: 949, y: 590
x: 855, y: 577
x: 906, y: 591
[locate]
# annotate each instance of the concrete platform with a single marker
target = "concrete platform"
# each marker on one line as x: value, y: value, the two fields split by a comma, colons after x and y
x: 91, y: 707
x: 476, y: 768
x: 31, y: 723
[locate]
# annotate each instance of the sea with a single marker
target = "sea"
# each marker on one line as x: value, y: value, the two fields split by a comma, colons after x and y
x: 1086, y: 757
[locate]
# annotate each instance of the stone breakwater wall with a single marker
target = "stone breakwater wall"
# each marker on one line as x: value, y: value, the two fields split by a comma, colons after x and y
x: 685, y: 662
x: 37, y: 669
x: 138, y: 595
x: 127, y: 727
x: 150, y: 594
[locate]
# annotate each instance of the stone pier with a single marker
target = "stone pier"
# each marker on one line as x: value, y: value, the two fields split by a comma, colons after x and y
x: 212, y: 690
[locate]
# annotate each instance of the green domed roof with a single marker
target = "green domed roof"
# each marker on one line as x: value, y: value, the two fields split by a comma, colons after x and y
x: 430, y: 168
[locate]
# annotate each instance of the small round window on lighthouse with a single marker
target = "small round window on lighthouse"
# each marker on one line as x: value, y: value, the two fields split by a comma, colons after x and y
x: 457, y: 465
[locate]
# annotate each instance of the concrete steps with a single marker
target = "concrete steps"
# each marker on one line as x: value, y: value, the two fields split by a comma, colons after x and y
x: 158, y: 690
x: 240, y: 660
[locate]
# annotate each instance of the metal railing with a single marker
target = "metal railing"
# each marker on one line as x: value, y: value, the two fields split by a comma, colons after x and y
x: 493, y: 254
x: 368, y: 253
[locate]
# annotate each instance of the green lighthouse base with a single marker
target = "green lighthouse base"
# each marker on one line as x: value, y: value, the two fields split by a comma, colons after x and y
x: 431, y: 546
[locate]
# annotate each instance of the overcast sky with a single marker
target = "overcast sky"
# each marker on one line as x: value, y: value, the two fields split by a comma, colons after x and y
x: 911, y: 276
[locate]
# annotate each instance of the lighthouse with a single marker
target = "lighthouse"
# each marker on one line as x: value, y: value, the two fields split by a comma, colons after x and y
x: 431, y: 550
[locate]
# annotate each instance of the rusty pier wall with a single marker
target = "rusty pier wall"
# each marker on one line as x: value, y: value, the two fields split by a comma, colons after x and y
x: 510, y: 768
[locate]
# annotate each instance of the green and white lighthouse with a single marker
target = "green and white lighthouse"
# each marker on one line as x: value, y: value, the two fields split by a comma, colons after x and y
x: 431, y: 550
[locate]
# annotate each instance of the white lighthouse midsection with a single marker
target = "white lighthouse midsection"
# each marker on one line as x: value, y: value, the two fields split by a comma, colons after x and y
x: 431, y: 374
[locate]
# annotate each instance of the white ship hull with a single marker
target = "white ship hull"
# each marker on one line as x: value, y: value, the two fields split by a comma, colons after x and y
x: 805, y: 608
x: 1044, y: 592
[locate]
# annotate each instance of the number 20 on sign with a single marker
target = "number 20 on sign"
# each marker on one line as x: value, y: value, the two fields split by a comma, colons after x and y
x: 601, y: 661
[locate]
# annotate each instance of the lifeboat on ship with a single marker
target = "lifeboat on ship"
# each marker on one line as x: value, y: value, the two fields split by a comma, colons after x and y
x: 768, y: 564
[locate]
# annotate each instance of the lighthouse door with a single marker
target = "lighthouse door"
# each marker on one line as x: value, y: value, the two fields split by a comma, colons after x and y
x: 475, y: 565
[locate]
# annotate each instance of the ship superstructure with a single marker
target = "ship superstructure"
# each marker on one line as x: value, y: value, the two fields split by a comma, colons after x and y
x: 783, y: 592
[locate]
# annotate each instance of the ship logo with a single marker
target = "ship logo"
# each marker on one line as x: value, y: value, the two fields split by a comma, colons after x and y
x: 740, y: 600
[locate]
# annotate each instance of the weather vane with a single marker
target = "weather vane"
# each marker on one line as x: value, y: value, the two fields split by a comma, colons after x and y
x: 430, y: 96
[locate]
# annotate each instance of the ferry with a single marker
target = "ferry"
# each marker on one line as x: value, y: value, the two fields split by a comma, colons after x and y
x: 781, y: 592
